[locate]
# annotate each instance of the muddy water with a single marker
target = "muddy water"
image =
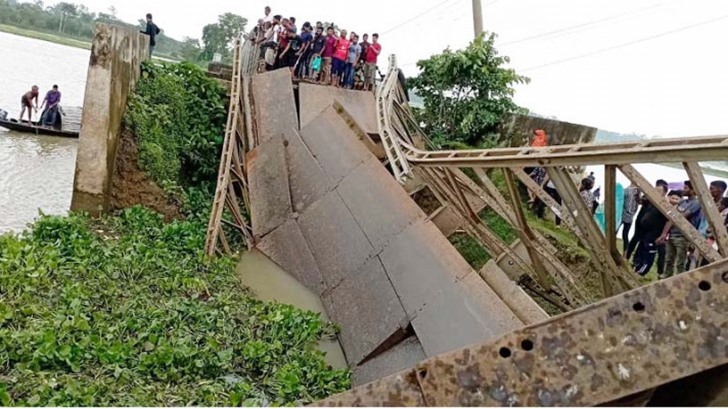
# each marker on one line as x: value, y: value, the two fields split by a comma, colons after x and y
x: 269, y: 282
x: 36, y: 172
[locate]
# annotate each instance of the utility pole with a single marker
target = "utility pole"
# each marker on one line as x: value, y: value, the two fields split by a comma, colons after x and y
x: 478, y: 17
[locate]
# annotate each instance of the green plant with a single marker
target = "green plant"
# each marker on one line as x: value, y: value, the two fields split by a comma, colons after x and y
x: 127, y: 311
x: 178, y: 115
x: 465, y: 94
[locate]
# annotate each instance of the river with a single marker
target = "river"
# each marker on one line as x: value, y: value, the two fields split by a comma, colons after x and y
x: 36, y: 172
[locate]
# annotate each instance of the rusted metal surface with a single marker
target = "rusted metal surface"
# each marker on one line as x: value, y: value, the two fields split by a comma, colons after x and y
x: 602, y: 353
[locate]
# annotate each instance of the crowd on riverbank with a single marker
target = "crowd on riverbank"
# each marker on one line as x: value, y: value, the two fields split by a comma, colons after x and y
x: 656, y: 241
x: 322, y: 54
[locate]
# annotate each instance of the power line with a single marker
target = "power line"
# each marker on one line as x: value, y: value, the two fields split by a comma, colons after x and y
x: 578, y: 26
x: 404, y: 23
x: 641, y: 40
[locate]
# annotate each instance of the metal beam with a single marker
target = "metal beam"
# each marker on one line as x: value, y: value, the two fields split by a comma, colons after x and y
x: 599, y: 354
x: 663, y: 151
x: 610, y: 212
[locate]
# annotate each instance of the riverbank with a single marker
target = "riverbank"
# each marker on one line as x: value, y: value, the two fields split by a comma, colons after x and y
x: 63, y: 40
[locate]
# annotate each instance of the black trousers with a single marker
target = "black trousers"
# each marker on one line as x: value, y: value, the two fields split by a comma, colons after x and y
x: 540, y: 206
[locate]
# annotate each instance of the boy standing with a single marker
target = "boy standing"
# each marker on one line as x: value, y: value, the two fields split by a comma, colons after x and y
x: 352, y: 61
x: 152, y: 31
x: 341, y: 53
x: 370, y: 70
x: 328, y: 56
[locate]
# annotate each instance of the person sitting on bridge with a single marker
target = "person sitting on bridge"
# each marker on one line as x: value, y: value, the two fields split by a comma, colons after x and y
x: 51, y: 103
x: 26, y: 102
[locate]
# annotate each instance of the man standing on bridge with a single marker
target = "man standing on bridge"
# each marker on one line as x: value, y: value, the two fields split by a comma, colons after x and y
x: 152, y: 31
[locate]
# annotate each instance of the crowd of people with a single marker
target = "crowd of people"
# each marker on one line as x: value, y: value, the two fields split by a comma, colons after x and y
x: 316, y: 53
x: 656, y: 240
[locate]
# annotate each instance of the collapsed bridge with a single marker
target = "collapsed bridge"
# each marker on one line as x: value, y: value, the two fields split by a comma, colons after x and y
x: 326, y: 175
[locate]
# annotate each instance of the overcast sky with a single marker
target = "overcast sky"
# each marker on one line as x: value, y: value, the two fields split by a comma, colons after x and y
x: 674, y: 83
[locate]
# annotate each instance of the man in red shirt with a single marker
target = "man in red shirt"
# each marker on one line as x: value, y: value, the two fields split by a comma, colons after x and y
x: 341, y: 53
x: 370, y: 69
x: 327, y: 56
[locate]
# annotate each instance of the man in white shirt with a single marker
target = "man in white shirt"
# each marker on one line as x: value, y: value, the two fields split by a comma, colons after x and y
x: 268, y: 15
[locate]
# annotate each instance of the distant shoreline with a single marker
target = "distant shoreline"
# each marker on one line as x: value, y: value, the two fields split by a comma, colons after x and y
x: 51, y: 38
x: 61, y: 40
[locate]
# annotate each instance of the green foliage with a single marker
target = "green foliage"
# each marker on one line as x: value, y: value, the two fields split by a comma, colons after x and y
x: 472, y: 251
x: 126, y: 311
x: 178, y: 115
x: 218, y: 37
x: 466, y: 93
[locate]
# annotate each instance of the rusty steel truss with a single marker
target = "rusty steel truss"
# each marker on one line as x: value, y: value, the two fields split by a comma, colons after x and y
x: 231, y: 194
x: 617, y: 343
x: 632, y: 342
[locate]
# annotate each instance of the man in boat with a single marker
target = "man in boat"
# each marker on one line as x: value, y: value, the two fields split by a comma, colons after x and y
x: 51, y: 104
x: 26, y: 102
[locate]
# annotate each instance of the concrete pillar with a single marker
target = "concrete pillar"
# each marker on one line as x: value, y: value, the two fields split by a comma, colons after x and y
x: 114, y: 68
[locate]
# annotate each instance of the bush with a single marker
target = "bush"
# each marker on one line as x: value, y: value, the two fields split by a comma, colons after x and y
x: 178, y: 115
x: 126, y: 311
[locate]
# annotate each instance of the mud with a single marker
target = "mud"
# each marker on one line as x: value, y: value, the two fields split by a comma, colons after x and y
x: 133, y: 187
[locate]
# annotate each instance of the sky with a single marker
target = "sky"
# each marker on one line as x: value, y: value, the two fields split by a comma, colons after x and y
x: 653, y: 67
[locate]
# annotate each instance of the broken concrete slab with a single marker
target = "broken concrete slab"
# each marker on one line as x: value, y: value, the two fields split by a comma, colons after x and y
x: 308, y: 182
x: 420, y: 262
x: 287, y: 247
x: 368, y: 311
x: 334, y: 145
x: 338, y: 245
x: 405, y: 355
x: 362, y: 106
x: 379, y: 204
x: 462, y: 315
x: 270, y: 196
x: 274, y: 104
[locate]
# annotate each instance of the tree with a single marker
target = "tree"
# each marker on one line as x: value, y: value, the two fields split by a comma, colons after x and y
x: 466, y: 93
x: 190, y: 50
x: 218, y: 37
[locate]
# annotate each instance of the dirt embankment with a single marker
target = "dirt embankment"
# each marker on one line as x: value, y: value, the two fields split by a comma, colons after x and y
x: 132, y: 186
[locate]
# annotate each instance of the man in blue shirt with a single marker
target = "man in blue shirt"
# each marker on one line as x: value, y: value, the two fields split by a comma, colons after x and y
x: 677, y: 244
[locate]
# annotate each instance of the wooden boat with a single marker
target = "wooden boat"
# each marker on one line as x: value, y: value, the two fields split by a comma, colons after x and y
x: 34, y: 128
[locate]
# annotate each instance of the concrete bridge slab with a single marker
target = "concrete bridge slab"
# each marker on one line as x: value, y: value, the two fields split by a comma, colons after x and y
x: 315, y: 99
x: 367, y: 309
x: 420, y: 262
x: 380, y: 206
x: 270, y: 196
x: 403, y: 356
x: 338, y: 245
x: 275, y: 104
x: 308, y: 182
x: 287, y: 247
x: 334, y: 145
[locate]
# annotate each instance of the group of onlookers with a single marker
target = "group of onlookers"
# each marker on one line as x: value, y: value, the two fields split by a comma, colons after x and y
x: 317, y: 53
x: 655, y: 239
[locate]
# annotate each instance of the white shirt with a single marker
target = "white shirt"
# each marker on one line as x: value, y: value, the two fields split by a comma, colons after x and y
x: 268, y: 18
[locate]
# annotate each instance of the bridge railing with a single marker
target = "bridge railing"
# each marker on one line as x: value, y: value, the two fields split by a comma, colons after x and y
x: 604, y: 351
x: 464, y: 181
